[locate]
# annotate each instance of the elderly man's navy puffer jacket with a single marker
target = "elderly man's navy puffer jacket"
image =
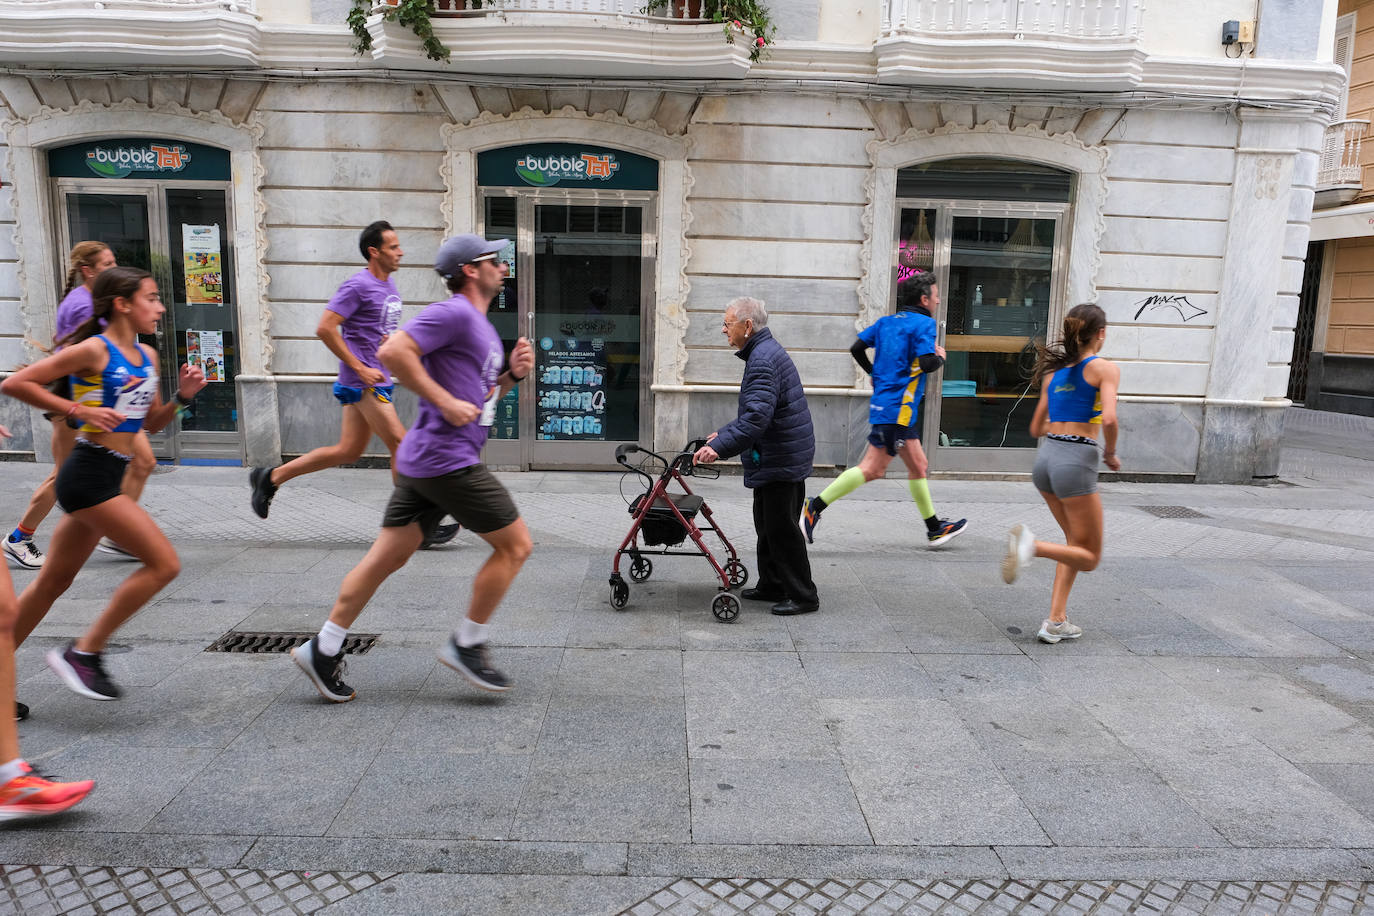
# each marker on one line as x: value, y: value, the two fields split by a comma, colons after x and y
x: 772, y: 434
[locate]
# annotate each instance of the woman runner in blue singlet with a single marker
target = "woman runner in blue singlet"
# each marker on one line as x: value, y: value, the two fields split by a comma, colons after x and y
x: 114, y: 396
x: 1077, y: 402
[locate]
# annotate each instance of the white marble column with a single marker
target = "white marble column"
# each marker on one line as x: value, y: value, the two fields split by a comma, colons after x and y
x: 1236, y: 438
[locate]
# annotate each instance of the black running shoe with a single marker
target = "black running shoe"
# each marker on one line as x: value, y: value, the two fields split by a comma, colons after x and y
x: 324, y: 671
x: 263, y: 490
x: 442, y: 535
x: 83, y: 673
x: 945, y: 531
x: 474, y: 663
x: 21, y: 712
x: 811, y: 517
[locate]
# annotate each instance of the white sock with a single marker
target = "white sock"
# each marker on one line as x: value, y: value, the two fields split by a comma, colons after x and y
x: 471, y: 633
x: 331, y: 638
x: 12, y: 770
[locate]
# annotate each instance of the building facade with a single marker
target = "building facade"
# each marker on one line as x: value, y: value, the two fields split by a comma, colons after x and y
x: 1333, y: 362
x: 1032, y: 153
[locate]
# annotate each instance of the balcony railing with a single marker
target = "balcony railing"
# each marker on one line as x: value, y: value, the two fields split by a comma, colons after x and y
x: 687, y: 10
x: 1339, y: 165
x: 124, y: 6
x: 1079, y: 19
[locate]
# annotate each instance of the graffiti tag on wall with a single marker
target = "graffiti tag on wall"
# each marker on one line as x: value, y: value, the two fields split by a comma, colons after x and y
x: 1179, y: 303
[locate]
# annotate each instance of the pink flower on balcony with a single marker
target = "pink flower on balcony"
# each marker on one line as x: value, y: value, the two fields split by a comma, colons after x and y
x: 736, y: 24
x: 759, y: 42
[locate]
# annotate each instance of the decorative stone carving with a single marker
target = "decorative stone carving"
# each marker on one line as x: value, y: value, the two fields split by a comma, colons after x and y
x: 491, y: 131
x: 1027, y: 143
x: 29, y: 137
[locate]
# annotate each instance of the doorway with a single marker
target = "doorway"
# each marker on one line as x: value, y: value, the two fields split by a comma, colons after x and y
x: 994, y: 234
x: 580, y: 283
x: 180, y: 234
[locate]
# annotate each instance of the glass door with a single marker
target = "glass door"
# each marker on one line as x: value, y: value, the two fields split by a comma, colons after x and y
x: 999, y: 273
x: 203, y: 327
x: 181, y: 235
x: 582, y: 275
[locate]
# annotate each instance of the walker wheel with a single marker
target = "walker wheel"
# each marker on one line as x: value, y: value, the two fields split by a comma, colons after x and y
x: 641, y: 568
x: 737, y: 572
x: 726, y: 607
x: 620, y: 595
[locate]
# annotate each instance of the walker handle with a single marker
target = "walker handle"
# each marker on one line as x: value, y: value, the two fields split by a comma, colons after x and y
x: 627, y: 448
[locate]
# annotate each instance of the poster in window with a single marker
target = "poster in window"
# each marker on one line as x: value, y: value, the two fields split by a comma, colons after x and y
x: 206, y: 350
x: 200, y: 252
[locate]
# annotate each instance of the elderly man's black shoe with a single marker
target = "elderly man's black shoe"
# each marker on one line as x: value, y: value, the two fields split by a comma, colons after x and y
x: 790, y: 608
x: 758, y: 594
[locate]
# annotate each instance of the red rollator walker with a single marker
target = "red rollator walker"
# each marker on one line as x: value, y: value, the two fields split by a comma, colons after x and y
x: 664, y: 520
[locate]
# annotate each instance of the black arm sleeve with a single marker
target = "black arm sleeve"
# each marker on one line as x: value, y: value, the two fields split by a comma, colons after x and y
x: 930, y: 363
x: 859, y: 350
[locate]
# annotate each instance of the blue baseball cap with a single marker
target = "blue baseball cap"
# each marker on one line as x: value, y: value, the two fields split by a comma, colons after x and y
x: 464, y: 249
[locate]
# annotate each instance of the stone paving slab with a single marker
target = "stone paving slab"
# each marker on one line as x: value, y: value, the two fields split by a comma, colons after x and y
x: 1214, y: 725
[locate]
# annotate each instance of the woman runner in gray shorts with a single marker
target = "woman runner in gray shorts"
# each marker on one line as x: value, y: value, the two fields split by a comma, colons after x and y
x: 1077, y: 400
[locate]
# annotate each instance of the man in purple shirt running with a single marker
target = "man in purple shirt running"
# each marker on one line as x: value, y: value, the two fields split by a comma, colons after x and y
x: 366, y: 308
x: 450, y: 356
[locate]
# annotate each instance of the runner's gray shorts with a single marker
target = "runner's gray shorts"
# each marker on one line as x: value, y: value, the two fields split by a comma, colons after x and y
x: 1066, y: 468
x: 472, y: 495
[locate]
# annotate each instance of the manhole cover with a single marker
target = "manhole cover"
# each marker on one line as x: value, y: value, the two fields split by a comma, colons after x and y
x: 1172, y: 512
x: 246, y: 641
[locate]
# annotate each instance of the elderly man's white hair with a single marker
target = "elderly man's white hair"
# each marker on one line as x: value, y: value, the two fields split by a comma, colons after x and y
x: 747, y: 308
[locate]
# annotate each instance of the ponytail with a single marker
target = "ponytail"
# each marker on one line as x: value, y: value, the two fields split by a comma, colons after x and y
x: 84, y: 254
x: 112, y: 284
x: 1081, y: 325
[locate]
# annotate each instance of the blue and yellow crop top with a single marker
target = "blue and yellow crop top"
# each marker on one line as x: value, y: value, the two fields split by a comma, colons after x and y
x: 123, y: 386
x: 1072, y: 399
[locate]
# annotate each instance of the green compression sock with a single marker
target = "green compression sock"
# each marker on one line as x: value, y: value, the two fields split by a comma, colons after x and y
x: 845, y: 484
x: 920, y: 491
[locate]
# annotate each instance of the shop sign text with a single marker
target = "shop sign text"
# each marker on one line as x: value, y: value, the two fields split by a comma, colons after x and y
x: 117, y: 162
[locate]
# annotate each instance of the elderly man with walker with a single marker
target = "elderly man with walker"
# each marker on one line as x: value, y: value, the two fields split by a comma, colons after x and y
x: 776, y: 443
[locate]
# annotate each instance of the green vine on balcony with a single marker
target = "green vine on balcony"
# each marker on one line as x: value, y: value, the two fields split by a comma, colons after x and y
x: 733, y: 16
x: 413, y: 14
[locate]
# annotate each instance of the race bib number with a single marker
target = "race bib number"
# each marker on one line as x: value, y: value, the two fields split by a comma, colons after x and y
x: 489, y: 408
x: 136, y: 397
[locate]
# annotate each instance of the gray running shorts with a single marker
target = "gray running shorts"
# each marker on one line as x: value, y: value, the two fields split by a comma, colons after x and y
x: 1066, y: 468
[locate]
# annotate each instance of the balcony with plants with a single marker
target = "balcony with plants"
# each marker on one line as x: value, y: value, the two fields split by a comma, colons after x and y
x: 1084, y: 44
x: 104, y: 33
x: 594, y: 38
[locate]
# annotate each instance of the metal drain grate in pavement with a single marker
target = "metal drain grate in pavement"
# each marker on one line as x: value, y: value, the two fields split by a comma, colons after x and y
x: 100, y: 889
x: 246, y: 641
x: 1172, y: 512
x: 730, y: 896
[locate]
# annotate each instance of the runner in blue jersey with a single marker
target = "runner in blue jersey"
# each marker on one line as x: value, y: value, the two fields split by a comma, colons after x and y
x: 905, y: 352
x: 114, y: 396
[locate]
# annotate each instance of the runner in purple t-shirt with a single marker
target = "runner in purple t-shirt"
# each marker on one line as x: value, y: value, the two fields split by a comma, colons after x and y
x: 366, y: 308
x: 450, y: 356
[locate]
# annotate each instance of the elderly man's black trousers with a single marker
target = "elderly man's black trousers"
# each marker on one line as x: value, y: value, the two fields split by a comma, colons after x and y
x: 784, y: 568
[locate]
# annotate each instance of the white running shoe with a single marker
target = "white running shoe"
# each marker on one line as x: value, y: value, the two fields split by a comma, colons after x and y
x: 1020, y: 551
x: 25, y: 553
x: 1052, y: 632
x: 114, y: 549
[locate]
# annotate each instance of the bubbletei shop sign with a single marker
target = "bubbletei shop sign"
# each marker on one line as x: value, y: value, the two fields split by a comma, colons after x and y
x: 120, y: 161
x: 550, y: 170
x: 544, y: 165
x: 139, y: 157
